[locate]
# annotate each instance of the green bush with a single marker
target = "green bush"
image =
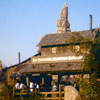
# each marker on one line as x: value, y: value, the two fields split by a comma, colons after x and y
x: 90, y: 90
x: 34, y: 96
x: 4, y: 92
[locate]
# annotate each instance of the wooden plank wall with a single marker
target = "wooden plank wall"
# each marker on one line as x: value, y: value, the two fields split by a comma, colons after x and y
x: 61, y: 50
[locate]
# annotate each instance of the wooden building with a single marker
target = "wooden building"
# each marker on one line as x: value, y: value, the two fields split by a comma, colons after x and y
x: 10, y: 70
x: 58, y: 54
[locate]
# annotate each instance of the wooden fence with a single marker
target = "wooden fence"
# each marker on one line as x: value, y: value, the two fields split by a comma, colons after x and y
x: 51, y: 95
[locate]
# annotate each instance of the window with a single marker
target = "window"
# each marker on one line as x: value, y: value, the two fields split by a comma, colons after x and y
x: 77, y: 47
x: 53, y: 50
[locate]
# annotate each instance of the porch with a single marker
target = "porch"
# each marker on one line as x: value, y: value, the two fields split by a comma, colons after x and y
x: 47, y: 95
x: 45, y: 75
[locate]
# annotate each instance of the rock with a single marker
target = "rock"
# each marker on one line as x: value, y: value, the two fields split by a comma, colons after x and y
x: 63, y: 23
x: 71, y: 93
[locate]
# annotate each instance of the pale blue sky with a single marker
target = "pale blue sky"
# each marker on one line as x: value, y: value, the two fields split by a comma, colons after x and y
x: 22, y: 22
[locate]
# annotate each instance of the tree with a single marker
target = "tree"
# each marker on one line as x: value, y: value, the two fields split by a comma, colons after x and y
x: 91, y: 89
x: 4, y: 92
x: 92, y: 60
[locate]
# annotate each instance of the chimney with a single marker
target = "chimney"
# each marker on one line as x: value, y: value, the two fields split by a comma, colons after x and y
x: 19, y: 57
x: 91, y: 22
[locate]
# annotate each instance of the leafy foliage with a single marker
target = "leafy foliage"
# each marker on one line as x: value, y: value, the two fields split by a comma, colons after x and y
x: 92, y: 60
x: 4, y: 92
x: 83, y: 43
x: 90, y: 90
x: 34, y: 96
x: 90, y: 49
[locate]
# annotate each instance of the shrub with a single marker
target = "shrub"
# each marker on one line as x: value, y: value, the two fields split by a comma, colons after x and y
x: 34, y: 96
x: 4, y: 92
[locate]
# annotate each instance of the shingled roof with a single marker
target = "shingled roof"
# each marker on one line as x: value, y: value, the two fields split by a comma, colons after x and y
x: 65, y: 38
x: 54, y: 67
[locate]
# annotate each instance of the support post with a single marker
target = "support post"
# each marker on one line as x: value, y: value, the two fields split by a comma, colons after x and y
x: 59, y: 79
x: 60, y: 95
x: 13, y: 81
x: 42, y: 80
x: 13, y: 92
x: 13, y: 86
x: 27, y: 80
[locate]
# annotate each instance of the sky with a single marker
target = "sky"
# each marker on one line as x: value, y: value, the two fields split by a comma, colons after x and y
x: 22, y: 22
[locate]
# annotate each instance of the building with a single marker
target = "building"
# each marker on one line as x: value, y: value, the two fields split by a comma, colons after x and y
x: 10, y: 70
x: 57, y: 54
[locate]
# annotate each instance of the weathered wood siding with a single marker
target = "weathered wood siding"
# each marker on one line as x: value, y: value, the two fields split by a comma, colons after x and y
x: 8, y: 74
x: 61, y: 50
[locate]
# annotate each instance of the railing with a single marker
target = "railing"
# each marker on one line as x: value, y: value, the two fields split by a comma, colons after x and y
x: 50, y: 95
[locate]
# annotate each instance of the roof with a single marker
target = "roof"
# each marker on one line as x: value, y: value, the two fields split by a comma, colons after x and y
x: 45, y: 68
x: 21, y: 62
x: 65, y: 38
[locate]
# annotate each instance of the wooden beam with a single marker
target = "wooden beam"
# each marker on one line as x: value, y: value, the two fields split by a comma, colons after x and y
x: 60, y: 94
x: 27, y: 80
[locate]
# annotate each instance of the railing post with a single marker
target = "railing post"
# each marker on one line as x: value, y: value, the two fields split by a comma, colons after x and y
x: 60, y: 95
x: 13, y: 92
x: 27, y: 80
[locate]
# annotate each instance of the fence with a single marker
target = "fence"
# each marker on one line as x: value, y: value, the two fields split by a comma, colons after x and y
x: 51, y: 95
